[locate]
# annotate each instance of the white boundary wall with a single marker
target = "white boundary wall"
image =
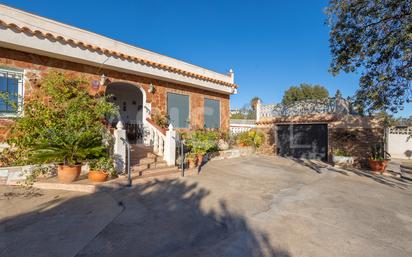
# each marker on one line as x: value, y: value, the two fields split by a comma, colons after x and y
x: 240, y: 126
x: 399, y: 142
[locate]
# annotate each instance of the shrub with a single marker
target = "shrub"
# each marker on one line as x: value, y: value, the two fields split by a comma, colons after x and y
x: 202, y: 141
x: 377, y: 153
x: 340, y: 152
x: 251, y: 138
x: 61, y: 123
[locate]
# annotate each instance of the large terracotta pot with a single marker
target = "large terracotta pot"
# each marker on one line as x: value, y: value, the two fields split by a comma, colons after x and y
x: 68, y: 173
x: 378, y: 166
x: 97, y: 176
x: 199, y: 159
x: 191, y: 163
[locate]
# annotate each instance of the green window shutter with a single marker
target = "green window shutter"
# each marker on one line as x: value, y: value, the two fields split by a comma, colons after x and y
x: 212, y: 113
x: 178, y: 110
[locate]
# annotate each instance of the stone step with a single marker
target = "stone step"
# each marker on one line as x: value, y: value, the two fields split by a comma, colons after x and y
x: 141, y: 147
x: 153, y: 165
x: 154, y: 172
x: 143, y: 153
x: 146, y: 160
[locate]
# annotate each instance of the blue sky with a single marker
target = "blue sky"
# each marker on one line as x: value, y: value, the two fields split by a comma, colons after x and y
x: 271, y: 45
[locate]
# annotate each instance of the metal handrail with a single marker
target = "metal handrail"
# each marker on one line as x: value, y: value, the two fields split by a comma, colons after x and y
x: 182, y: 158
x: 129, y: 175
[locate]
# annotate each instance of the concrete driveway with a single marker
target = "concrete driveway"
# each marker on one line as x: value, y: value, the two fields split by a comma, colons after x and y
x: 255, y: 206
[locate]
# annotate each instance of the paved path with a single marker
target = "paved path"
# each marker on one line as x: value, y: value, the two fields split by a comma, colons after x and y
x: 257, y: 206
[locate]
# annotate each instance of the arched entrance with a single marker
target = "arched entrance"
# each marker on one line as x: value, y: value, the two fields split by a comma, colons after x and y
x: 130, y: 101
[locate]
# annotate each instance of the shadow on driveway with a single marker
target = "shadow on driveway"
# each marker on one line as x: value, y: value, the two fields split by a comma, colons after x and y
x: 322, y: 167
x: 159, y: 218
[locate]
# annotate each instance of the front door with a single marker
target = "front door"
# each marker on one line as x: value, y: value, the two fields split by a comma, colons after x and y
x: 129, y: 100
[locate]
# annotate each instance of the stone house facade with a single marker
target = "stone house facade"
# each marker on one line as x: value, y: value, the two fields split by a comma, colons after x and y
x: 140, y: 82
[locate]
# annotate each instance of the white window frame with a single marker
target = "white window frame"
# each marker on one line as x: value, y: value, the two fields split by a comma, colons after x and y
x: 20, y: 74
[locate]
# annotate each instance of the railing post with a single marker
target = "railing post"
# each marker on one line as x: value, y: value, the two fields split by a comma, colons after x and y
x: 119, y: 147
x: 170, y: 147
x: 161, y: 146
x: 155, y: 142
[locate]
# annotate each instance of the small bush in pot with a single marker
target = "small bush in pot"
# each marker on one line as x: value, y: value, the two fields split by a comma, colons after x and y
x: 341, y: 157
x: 100, y: 169
x: 201, y: 142
x: 377, y: 158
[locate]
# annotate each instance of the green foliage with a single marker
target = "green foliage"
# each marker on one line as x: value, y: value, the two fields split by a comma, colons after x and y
x: 304, y: 92
x: 5, y: 98
x: 61, y: 122
x: 202, y: 141
x: 341, y: 152
x: 251, y: 138
x: 105, y: 164
x: 254, y: 102
x: 377, y: 153
x: 160, y: 120
x: 12, y: 156
x: 238, y: 116
x: 374, y: 37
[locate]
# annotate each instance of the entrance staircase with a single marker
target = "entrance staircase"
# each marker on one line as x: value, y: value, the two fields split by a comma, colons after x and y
x: 146, y: 164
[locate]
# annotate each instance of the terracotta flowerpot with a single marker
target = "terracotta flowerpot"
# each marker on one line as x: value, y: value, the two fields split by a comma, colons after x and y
x: 68, y: 173
x: 191, y: 163
x: 97, y: 176
x: 199, y: 159
x: 378, y: 166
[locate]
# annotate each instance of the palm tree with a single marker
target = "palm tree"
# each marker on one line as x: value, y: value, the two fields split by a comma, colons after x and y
x: 254, y: 102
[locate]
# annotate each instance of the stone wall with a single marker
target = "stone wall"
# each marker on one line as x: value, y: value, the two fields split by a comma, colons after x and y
x: 359, y: 142
x: 269, y: 144
x: 36, y: 66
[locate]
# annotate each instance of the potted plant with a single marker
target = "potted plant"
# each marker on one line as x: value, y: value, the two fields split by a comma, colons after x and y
x: 100, y: 169
x: 377, y: 158
x: 244, y: 140
x: 342, y: 158
x: 68, y: 154
x: 191, y: 160
x: 202, y: 142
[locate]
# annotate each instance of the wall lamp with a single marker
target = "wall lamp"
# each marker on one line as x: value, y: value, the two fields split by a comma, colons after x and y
x: 152, y: 88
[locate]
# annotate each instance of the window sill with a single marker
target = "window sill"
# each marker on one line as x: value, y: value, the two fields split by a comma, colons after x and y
x: 9, y: 115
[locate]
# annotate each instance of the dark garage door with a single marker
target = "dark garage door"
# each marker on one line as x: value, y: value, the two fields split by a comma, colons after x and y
x: 308, y: 141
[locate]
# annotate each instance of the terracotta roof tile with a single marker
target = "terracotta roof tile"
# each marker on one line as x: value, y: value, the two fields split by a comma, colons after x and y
x: 50, y: 36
